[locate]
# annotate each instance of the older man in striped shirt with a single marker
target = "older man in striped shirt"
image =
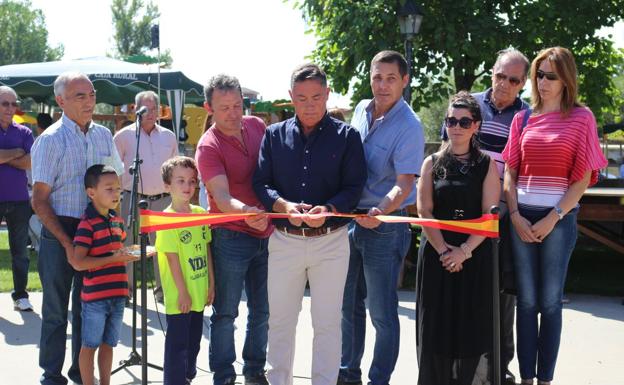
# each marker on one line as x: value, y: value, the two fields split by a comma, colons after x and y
x: 60, y: 158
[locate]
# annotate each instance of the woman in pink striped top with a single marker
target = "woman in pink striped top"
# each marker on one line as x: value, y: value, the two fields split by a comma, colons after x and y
x: 551, y: 157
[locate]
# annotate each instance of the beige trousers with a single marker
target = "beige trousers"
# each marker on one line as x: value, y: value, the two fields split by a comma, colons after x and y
x: 293, y: 260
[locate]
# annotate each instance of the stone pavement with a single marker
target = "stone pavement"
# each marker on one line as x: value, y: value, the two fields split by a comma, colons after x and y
x: 592, y: 348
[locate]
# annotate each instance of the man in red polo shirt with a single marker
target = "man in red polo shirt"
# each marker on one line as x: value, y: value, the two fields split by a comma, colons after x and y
x: 227, y: 155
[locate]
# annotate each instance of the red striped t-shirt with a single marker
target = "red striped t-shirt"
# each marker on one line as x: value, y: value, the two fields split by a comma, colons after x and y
x: 551, y: 153
x: 102, y: 236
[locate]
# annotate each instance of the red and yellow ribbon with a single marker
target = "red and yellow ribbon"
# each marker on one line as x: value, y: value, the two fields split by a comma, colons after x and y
x: 486, y: 225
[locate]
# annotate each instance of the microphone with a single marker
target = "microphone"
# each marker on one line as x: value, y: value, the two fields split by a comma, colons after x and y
x: 141, y: 111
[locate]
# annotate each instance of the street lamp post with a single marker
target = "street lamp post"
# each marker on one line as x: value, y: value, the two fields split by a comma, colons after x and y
x: 410, y: 16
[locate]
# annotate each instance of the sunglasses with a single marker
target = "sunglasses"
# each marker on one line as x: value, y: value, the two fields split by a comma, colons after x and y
x: 549, y: 75
x: 463, y: 122
x: 5, y: 104
x: 514, y: 81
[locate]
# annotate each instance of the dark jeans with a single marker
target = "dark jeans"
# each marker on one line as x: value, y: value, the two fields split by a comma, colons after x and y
x: 58, y: 281
x: 184, y: 332
x: 375, y: 261
x: 17, y: 215
x: 240, y: 260
x: 540, y: 277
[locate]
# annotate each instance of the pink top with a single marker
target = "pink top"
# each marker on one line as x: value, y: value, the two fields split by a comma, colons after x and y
x: 161, y: 144
x: 551, y: 153
x: 219, y: 154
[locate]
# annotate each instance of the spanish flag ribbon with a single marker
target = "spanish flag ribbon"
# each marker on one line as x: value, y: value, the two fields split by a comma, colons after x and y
x: 486, y: 225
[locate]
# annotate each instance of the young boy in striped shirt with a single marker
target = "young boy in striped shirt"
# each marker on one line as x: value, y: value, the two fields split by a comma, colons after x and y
x: 98, y: 249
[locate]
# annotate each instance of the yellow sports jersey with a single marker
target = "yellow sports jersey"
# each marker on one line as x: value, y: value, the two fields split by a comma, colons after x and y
x: 191, y: 246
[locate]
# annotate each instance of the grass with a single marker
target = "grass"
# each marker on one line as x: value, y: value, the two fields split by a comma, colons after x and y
x: 34, y: 284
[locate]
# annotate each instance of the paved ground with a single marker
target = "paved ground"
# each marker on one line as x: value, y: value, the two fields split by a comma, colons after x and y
x: 592, y: 349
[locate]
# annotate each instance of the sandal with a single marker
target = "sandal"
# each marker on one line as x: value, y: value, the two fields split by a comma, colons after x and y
x: 526, y: 382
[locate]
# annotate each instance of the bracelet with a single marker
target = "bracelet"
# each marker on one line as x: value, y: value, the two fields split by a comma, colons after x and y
x: 444, y: 252
x: 466, y: 250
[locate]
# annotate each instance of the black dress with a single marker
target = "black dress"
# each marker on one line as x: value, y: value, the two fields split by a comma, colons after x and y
x: 454, y: 310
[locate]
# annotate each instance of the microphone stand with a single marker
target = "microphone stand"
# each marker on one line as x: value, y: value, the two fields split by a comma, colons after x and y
x: 496, y: 333
x: 134, y: 358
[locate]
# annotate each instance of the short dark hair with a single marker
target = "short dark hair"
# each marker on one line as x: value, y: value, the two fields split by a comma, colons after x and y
x: 221, y: 82
x: 166, y: 170
x: 44, y: 120
x: 95, y: 172
x: 389, y: 56
x: 463, y: 99
x: 308, y: 71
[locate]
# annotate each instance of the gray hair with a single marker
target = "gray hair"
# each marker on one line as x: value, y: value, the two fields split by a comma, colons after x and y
x: 221, y: 82
x: 513, y: 55
x: 145, y: 95
x: 64, y: 79
x: 308, y: 71
x: 8, y: 90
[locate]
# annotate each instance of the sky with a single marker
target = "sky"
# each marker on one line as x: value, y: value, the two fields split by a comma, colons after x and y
x: 258, y: 41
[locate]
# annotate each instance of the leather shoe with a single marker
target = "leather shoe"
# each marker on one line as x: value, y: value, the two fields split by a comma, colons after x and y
x: 343, y: 382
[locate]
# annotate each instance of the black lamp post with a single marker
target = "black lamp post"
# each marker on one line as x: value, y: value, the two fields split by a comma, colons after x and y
x: 410, y: 16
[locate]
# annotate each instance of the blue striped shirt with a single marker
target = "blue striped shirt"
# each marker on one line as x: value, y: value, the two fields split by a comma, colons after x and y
x: 61, y: 156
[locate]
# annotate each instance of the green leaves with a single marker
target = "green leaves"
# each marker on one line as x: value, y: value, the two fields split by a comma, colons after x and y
x: 24, y: 35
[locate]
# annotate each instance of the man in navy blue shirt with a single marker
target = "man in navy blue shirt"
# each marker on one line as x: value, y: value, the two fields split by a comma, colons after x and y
x: 308, y: 165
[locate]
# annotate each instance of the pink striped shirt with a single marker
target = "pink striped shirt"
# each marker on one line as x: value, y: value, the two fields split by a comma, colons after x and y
x: 551, y: 153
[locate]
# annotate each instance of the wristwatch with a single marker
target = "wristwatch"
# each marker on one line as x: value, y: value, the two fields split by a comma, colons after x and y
x: 559, y: 212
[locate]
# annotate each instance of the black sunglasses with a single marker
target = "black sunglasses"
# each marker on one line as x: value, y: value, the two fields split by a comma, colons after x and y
x: 514, y: 81
x: 549, y: 75
x: 6, y: 104
x: 463, y: 122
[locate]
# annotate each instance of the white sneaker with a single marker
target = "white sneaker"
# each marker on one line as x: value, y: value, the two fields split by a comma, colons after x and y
x: 22, y: 304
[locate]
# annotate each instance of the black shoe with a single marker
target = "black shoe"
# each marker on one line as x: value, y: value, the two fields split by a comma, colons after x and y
x: 258, y: 379
x: 230, y: 381
x: 343, y: 382
x: 510, y: 379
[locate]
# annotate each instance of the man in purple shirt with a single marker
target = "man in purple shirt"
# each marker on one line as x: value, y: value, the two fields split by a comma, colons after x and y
x: 15, y: 143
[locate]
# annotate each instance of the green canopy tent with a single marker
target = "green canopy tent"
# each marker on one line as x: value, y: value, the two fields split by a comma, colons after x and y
x: 116, y: 81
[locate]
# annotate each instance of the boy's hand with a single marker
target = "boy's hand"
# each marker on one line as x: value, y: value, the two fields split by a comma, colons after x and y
x: 126, y: 255
x: 211, y: 295
x: 184, y: 302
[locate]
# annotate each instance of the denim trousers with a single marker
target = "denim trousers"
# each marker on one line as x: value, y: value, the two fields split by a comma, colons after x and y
x: 182, y: 343
x: 240, y: 261
x: 540, y: 270
x: 374, y: 265
x: 59, y: 281
x: 17, y: 215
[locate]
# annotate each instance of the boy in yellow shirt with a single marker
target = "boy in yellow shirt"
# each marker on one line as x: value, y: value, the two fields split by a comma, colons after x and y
x: 186, y: 274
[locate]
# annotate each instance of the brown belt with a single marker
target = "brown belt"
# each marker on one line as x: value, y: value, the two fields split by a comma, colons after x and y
x: 310, y: 232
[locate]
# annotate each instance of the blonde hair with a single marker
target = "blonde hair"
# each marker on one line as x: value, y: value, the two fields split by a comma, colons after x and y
x: 183, y: 161
x: 563, y: 64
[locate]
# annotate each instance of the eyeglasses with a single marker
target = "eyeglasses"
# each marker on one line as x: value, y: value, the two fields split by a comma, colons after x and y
x: 514, y: 81
x: 549, y: 75
x: 6, y: 104
x: 463, y: 122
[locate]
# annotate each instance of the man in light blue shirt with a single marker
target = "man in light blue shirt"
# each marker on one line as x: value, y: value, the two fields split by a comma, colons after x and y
x: 60, y: 158
x: 394, y: 147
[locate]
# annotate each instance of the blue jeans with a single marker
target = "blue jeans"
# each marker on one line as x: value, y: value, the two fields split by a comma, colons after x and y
x: 540, y: 277
x: 58, y: 281
x: 17, y: 215
x: 374, y: 265
x: 240, y: 260
x: 182, y: 343
x: 101, y: 322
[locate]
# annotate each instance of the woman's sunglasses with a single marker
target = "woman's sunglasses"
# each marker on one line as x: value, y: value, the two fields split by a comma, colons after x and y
x: 549, y: 75
x: 463, y: 122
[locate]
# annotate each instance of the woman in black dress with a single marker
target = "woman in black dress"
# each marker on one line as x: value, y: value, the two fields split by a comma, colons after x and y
x: 454, y: 286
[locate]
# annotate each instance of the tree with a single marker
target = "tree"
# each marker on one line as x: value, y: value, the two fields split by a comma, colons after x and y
x: 24, y: 35
x: 458, y: 41
x: 132, y: 20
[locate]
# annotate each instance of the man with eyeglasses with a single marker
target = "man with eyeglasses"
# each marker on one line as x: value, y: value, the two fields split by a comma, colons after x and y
x: 156, y: 145
x: 15, y: 143
x: 498, y: 106
x: 60, y: 158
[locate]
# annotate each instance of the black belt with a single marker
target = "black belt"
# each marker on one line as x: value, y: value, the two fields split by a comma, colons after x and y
x: 150, y: 197
x: 310, y: 232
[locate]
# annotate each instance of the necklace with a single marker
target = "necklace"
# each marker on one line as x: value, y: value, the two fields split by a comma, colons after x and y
x: 465, y: 153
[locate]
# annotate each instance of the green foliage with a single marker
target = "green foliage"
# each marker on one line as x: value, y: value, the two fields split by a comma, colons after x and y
x: 460, y: 38
x: 132, y: 20
x: 24, y: 35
